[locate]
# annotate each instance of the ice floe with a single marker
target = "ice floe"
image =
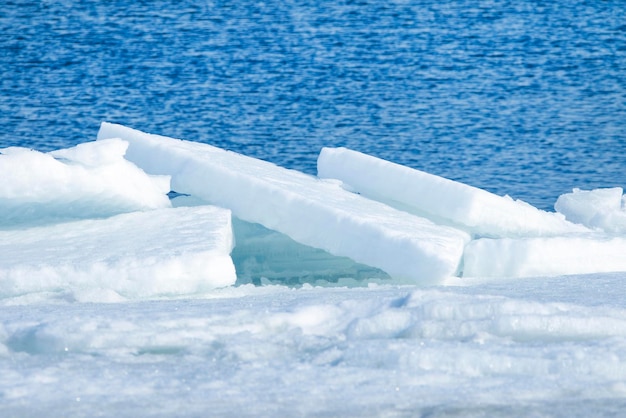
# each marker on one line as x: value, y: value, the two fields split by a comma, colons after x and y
x: 446, y: 201
x: 369, y: 220
x: 90, y: 180
x: 544, y: 256
x: 191, y: 329
x: 309, y: 210
x: 163, y: 252
x: 603, y: 209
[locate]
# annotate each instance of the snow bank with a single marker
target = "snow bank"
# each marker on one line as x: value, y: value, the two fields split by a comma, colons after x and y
x: 311, y: 211
x: 135, y: 255
x: 90, y: 180
x: 437, y: 198
x: 547, y: 256
x: 603, y: 209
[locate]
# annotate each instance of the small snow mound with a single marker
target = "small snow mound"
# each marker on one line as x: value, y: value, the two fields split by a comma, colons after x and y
x: 603, y: 209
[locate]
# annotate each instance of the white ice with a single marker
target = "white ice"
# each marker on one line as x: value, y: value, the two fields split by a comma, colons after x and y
x: 445, y: 201
x: 178, y: 336
x: 163, y: 252
x: 534, y: 347
x: 603, y: 209
x: 512, y: 238
x: 90, y: 180
x: 311, y: 211
x: 549, y: 256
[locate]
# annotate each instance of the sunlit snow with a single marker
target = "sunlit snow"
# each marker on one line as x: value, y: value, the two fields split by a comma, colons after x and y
x: 134, y: 255
x: 259, y: 291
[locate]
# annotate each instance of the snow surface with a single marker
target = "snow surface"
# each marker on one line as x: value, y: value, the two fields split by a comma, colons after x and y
x: 311, y: 211
x: 135, y: 255
x: 143, y: 313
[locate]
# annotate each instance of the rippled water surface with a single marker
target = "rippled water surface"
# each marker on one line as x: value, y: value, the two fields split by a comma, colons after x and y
x: 526, y: 98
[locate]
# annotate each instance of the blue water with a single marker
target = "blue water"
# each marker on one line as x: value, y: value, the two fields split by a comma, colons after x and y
x: 526, y: 98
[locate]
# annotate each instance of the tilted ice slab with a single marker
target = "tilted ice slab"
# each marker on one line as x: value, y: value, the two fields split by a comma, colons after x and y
x: 90, y: 180
x: 547, y: 256
x: 603, y: 209
x: 135, y: 255
x: 442, y: 200
x: 310, y: 211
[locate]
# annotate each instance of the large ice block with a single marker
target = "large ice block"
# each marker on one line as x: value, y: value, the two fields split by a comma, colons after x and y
x: 140, y: 254
x: 549, y: 256
x: 445, y: 201
x: 309, y: 210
